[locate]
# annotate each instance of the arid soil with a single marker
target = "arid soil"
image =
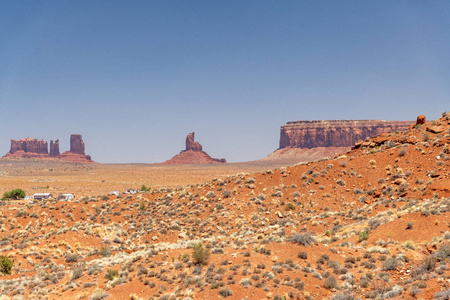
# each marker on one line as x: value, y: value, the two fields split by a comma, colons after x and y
x: 370, y: 224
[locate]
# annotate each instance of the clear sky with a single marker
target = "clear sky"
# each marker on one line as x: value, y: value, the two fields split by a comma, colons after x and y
x: 135, y: 77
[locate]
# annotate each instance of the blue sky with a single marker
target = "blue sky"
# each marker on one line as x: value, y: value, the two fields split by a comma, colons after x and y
x: 135, y: 77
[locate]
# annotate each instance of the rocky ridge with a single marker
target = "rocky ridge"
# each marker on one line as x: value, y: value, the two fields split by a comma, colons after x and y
x: 311, y: 140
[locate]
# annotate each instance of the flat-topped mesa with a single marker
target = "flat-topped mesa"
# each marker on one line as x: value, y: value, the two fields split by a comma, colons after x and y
x: 28, y: 145
x: 335, y: 133
x: 38, y: 149
x: 191, y: 144
x: 77, y: 144
x: 54, y: 148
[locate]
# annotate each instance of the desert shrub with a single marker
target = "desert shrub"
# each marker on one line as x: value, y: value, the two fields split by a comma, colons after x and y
x: 105, y: 251
x: 442, y: 295
x: 5, y: 265
x: 145, y: 189
x: 210, y: 194
x: 343, y: 296
x: 14, y: 194
x: 111, y: 274
x: 363, y: 235
x: 225, y: 292
x: 77, y: 271
x: 200, y: 254
x: 444, y: 252
x: 302, y: 255
x: 330, y: 282
x: 227, y: 193
x: 429, y: 263
x: 105, y: 198
x: 71, y: 258
x: 98, y: 295
x: 290, y: 206
x: 390, y: 264
x: 402, y: 152
x: 343, y: 163
x: 303, y: 239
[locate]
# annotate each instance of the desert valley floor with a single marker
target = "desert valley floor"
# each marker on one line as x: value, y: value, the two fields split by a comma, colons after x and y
x: 372, y: 223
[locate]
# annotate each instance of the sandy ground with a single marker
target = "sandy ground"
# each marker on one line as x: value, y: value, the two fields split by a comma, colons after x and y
x: 100, y: 179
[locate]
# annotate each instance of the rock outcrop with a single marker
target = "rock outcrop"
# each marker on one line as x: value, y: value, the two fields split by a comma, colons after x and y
x: 193, y: 154
x: 302, y: 141
x: 77, y: 144
x: 31, y: 146
x: 191, y: 144
x: 54, y: 148
x: 38, y: 149
x: 345, y: 133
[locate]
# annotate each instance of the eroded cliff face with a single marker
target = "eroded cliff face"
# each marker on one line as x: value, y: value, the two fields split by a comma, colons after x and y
x: 38, y: 149
x: 54, y: 148
x: 345, y: 133
x: 191, y: 144
x: 77, y: 144
x: 29, y: 146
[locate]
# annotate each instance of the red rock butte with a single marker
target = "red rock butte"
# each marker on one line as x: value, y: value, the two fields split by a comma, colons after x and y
x: 193, y: 154
x: 312, y: 140
x: 38, y: 149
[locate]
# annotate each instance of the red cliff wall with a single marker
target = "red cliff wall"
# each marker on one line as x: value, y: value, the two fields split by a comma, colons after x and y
x: 345, y: 133
x: 54, y: 148
x: 29, y: 146
x: 77, y: 144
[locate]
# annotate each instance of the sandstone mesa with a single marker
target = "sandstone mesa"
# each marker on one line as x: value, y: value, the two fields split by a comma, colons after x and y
x: 38, y: 149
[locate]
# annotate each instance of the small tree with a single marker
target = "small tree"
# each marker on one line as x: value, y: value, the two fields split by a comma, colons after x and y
x: 145, y: 189
x: 14, y: 194
x: 200, y: 254
x: 5, y: 265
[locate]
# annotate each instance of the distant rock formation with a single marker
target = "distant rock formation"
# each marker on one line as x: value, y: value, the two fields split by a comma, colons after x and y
x: 54, y: 148
x: 77, y: 144
x: 345, y: 133
x: 193, y: 154
x: 31, y: 146
x: 191, y: 144
x: 38, y: 149
x: 302, y: 141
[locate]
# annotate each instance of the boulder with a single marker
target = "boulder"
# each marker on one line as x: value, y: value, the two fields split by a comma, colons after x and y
x: 421, y: 120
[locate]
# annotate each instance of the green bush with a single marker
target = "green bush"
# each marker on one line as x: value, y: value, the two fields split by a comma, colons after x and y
x: 14, y: 194
x: 5, y: 265
x: 200, y: 254
x: 363, y: 235
x: 145, y: 189
x: 111, y: 274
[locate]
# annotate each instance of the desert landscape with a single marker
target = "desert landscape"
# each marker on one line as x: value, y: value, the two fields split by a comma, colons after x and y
x: 371, y: 223
x: 244, y: 150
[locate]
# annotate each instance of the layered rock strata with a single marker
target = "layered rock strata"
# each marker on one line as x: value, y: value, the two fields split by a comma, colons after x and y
x: 302, y: 141
x: 32, y: 146
x: 345, y: 133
